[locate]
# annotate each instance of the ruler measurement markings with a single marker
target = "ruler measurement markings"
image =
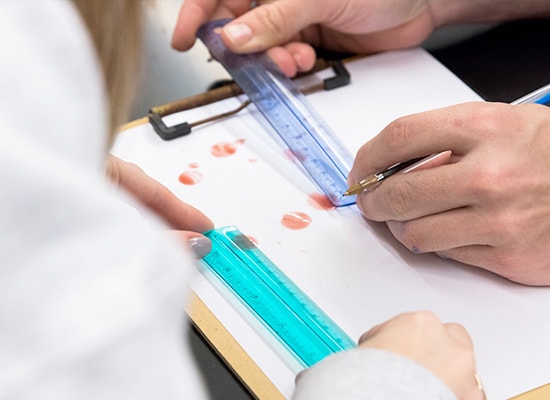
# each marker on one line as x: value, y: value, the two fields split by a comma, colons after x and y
x: 285, y: 108
x: 298, y: 323
x: 276, y: 280
x: 264, y: 306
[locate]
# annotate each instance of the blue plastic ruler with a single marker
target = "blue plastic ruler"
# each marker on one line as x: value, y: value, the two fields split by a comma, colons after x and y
x: 287, y: 111
x: 303, y: 329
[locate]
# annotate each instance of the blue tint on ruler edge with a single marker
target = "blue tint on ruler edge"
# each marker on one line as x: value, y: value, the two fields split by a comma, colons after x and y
x: 283, y: 105
x: 288, y: 313
x: 544, y: 100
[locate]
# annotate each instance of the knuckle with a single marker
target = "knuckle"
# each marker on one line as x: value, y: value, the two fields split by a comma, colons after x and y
x: 273, y: 19
x: 491, y: 118
x: 487, y: 183
x: 397, y: 200
x: 486, y: 115
x: 399, y: 133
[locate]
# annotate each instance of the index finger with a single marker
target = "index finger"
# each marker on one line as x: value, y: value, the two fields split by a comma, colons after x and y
x: 194, y: 13
x: 418, y: 135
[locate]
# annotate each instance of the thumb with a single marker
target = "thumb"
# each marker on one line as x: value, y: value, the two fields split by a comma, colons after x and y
x: 268, y: 25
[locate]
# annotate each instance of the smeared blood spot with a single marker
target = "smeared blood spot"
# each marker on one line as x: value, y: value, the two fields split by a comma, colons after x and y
x: 194, y: 165
x: 294, y: 157
x: 290, y: 155
x: 296, y: 220
x: 320, y: 201
x: 252, y: 239
x: 226, y: 149
x: 223, y: 149
x: 190, y: 177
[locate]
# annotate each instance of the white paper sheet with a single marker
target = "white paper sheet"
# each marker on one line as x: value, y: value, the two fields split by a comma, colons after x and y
x: 353, y: 269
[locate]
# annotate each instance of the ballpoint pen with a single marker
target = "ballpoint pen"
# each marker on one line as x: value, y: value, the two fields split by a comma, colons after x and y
x: 378, y: 177
x: 404, y: 167
x: 539, y: 96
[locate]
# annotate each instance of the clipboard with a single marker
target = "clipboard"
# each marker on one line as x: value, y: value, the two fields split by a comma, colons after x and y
x: 207, y: 318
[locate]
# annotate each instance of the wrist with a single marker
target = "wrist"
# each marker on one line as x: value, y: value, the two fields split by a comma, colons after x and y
x: 448, y: 12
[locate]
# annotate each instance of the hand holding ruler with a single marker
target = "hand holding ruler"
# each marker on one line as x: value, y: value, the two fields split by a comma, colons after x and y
x: 286, y: 109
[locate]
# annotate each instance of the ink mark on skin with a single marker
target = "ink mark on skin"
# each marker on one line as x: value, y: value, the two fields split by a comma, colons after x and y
x: 415, y: 250
x: 296, y: 220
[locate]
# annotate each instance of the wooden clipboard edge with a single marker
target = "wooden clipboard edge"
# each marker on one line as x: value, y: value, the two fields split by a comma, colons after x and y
x: 230, y: 350
x: 540, y: 393
x: 248, y: 371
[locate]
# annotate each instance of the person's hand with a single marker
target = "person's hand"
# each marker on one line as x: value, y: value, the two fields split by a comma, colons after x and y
x: 354, y: 26
x: 187, y: 221
x: 488, y: 207
x: 445, y: 349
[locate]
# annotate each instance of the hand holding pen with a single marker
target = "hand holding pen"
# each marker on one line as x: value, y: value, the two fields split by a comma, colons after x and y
x: 485, y: 205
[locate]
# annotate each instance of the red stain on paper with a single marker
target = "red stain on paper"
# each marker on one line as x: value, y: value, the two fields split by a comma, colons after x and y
x: 194, y: 165
x: 190, y: 177
x: 320, y: 201
x: 223, y: 149
x: 226, y: 149
x: 253, y: 240
x: 294, y: 157
x: 296, y: 220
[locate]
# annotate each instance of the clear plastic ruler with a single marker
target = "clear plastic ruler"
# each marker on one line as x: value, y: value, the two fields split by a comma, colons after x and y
x: 303, y: 329
x: 283, y: 105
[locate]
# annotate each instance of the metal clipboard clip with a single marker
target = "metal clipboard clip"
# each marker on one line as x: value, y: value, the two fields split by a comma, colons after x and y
x: 340, y: 78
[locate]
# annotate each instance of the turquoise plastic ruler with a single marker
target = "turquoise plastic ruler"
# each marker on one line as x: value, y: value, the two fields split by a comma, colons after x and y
x: 287, y: 111
x: 303, y: 329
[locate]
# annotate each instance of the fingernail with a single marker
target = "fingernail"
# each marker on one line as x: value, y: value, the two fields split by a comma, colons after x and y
x: 238, y: 33
x: 200, y: 245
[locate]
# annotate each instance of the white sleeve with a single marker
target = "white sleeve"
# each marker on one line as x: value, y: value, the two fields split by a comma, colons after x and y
x: 91, y: 293
x: 369, y: 374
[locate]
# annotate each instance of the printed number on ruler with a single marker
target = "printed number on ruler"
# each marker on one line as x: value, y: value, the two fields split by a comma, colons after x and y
x: 286, y: 109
